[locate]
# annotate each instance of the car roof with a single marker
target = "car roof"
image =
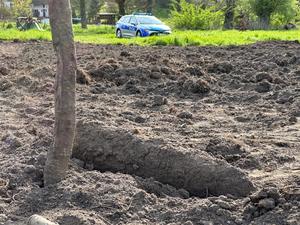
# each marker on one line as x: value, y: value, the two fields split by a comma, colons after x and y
x: 139, y: 15
x: 143, y: 15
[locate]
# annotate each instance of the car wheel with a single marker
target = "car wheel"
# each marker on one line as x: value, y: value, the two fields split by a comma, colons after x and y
x: 139, y: 34
x: 119, y: 33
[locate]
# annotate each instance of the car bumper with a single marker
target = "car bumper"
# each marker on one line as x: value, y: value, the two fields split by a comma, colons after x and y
x: 153, y: 32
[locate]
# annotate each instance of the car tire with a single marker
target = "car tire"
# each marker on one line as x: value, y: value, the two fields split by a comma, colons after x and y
x: 119, y: 33
x: 139, y: 33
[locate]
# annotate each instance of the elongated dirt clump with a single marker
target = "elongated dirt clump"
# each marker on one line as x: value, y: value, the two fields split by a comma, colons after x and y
x: 117, y: 150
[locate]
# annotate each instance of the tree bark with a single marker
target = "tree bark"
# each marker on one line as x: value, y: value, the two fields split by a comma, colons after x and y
x: 149, y: 6
x: 83, y: 14
x: 229, y: 14
x: 64, y: 130
x: 264, y: 22
x: 121, y: 5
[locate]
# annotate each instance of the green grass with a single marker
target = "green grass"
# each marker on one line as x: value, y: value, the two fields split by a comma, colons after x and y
x: 105, y: 35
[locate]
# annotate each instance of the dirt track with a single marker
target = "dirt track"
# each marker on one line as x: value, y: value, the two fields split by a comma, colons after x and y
x: 238, y: 106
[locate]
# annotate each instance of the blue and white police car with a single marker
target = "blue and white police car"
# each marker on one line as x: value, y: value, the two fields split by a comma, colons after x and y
x: 140, y: 25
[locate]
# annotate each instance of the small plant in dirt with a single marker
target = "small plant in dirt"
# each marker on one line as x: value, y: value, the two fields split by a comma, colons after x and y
x: 22, y: 8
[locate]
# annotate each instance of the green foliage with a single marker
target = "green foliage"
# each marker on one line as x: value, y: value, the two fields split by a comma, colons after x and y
x: 9, y: 26
x: 22, y: 8
x: 162, y: 13
x: 6, y: 25
x: 268, y: 7
x: 282, y: 10
x: 46, y: 27
x: 297, y: 12
x: 192, y: 16
x: 105, y: 35
x: 93, y: 30
x: 205, y: 14
x: 278, y: 20
x: 5, y: 12
x: 93, y: 8
x: 244, y: 8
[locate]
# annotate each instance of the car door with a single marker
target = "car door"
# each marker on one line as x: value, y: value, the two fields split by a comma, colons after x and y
x: 125, y: 26
x: 133, y: 26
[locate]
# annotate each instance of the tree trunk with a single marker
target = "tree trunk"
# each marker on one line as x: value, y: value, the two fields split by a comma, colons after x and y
x: 149, y: 6
x: 121, y: 5
x: 83, y: 14
x: 264, y: 22
x: 64, y: 130
x: 229, y: 14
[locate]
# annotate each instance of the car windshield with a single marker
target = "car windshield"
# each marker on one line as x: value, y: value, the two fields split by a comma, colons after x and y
x: 148, y: 20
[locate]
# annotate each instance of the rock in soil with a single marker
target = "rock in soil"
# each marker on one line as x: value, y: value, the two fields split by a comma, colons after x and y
x: 267, y: 203
x: 263, y: 87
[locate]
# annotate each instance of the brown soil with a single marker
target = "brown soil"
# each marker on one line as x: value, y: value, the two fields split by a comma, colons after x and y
x: 195, y: 135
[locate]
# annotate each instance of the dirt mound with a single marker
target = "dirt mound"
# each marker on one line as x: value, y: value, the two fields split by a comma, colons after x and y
x: 5, y: 84
x: 82, y: 77
x: 220, y: 67
x: 4, y: 71
x: 43, y: 72
x: 111, y: 149
x: 196, y: 86
x: 226, y: 149
x: 168, y: 120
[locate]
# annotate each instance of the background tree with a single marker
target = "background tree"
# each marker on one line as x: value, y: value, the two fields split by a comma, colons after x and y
x: 82, y: 4
x: 94, y: 8
x: 5, y: 12
x: 149, y: 6
x: 229, y: 14
x: 64, y: 131
x: 187, y: 15
x: 75, y: 8
x: 121, y: 6
x: 22, y: 8
x: 264, y: 9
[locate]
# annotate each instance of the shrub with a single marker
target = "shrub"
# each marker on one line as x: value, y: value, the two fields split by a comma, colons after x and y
x: 281, y: 10
x: 5, y: 13
x: 192, y: 16
x: 9, y: 26
x: 160, y: 42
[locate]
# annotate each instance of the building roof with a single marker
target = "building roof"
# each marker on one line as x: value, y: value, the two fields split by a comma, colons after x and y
x: 39, y: 2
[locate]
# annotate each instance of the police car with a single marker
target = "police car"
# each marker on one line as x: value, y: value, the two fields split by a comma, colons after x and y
x: 140, y: 25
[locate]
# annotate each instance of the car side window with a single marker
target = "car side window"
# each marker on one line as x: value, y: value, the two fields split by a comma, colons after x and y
x: 133, y: 20
x: 126, y: 19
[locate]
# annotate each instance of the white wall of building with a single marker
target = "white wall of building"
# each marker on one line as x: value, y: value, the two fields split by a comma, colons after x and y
x: 41, y: 10
x: 8, y: 4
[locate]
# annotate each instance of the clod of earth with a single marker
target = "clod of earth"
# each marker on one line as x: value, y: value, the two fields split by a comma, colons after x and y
x: 117, y: 150
x: 263, y: 87
x: 4, y: 71
x: 159, y: 100
x: 82, y: 77
x: 264, y: 76
x: 5, y: 84
x: 199, y: 86
x: 220, y: 67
